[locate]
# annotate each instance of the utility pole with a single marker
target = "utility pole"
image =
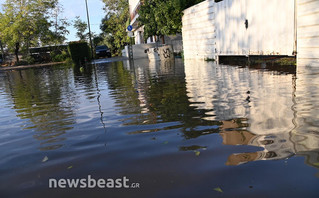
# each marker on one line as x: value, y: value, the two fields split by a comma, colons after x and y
x: 295, y: 27
x: 87, y: 14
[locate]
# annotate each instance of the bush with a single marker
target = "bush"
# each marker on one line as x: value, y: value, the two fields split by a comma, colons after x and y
x: 26, y: 60
x: 59, y: 56
x: 79, y: 52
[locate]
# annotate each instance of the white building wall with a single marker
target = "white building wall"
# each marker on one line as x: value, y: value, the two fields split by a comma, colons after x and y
x: 211, y: 28
x: 198, y: 31
x: 308, y: 32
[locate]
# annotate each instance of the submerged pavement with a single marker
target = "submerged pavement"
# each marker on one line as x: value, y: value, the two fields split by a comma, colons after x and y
x: 109, y: 60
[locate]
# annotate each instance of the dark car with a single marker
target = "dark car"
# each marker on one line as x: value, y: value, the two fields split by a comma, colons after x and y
x: 102, y: 51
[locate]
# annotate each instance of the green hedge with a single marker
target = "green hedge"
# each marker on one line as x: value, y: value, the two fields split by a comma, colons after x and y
x: 79, y: 52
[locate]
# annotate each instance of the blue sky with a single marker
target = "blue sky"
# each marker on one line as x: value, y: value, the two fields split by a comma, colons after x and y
x: 73, y: 8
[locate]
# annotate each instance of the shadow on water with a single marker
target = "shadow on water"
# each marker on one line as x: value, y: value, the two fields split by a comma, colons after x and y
x: 276, y: 64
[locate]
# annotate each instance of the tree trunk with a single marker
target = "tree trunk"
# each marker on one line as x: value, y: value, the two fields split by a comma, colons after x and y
x: 163, y: 40
x: 16, y: 51
x: 2, y: 52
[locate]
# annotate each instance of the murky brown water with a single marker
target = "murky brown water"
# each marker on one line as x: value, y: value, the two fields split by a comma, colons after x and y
x: 179, y: 129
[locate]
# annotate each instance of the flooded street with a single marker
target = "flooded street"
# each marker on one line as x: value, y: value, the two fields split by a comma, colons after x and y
x: 177, y: 128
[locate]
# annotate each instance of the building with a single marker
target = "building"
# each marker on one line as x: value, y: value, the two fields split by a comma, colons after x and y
x: 138, y: 31
x: 135, y: 5
x: 141, y: 43
x: 217, y: 28
x: 239, y: 27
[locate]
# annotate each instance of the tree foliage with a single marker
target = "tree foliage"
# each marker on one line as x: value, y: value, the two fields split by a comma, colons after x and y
x: 26, y: 23
x: 59, y: 27
x: 81, y: 28
x: 163, y: 17
x: 114, y: 24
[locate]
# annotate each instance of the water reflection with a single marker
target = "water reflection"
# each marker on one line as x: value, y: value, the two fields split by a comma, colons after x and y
x: 163, y: 119
x: 84, y: 81
x: 246, y: 106
x: 255, y: 109
x: 306, y: 110
x: 156, y: 93
x: 45, y: 98
x: 276, y: 146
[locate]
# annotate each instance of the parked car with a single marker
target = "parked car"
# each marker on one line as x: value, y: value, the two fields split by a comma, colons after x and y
x: 102, y: 51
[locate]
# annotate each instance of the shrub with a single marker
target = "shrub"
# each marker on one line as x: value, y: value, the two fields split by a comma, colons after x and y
x: 60, y: 56
x: 79, y: 52
x: 26, y: 60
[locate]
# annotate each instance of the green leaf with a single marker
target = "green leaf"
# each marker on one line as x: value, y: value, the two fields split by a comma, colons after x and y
x: 197, y: 153
x: 218, y: 189
x: 70, y: 167
x: 166, y: 142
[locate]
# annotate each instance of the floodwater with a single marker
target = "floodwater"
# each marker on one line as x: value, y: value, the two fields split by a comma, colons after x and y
x: 178, y: 129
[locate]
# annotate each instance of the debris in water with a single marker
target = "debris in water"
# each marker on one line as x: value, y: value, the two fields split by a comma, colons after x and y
x: 218, y: 190
x: 45, y: 159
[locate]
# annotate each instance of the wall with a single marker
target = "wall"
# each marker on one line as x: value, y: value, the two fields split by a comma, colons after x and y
x: 211, y: 28
x: 198, y: 31
x: 308, y: 32
x: 270, y: 27
x: 138, y: 50
x: 176, y: 41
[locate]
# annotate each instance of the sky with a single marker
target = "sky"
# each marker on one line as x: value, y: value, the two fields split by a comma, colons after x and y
x: 73, y: 8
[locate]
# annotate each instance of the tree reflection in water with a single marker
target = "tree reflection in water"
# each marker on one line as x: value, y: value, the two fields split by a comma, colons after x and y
x: 45, y: 98
x: 155, y: 93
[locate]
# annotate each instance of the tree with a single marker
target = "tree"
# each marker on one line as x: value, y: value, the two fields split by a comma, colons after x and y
x: 114, y: 24
x: 163, y: 17
x: 97, y: 39
x: 59, y: 28
x: 25, y: 23
x: 1, y: 44
x: 81, y: 28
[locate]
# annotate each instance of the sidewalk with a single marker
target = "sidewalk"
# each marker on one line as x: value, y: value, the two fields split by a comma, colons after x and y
x: 96, y: 61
